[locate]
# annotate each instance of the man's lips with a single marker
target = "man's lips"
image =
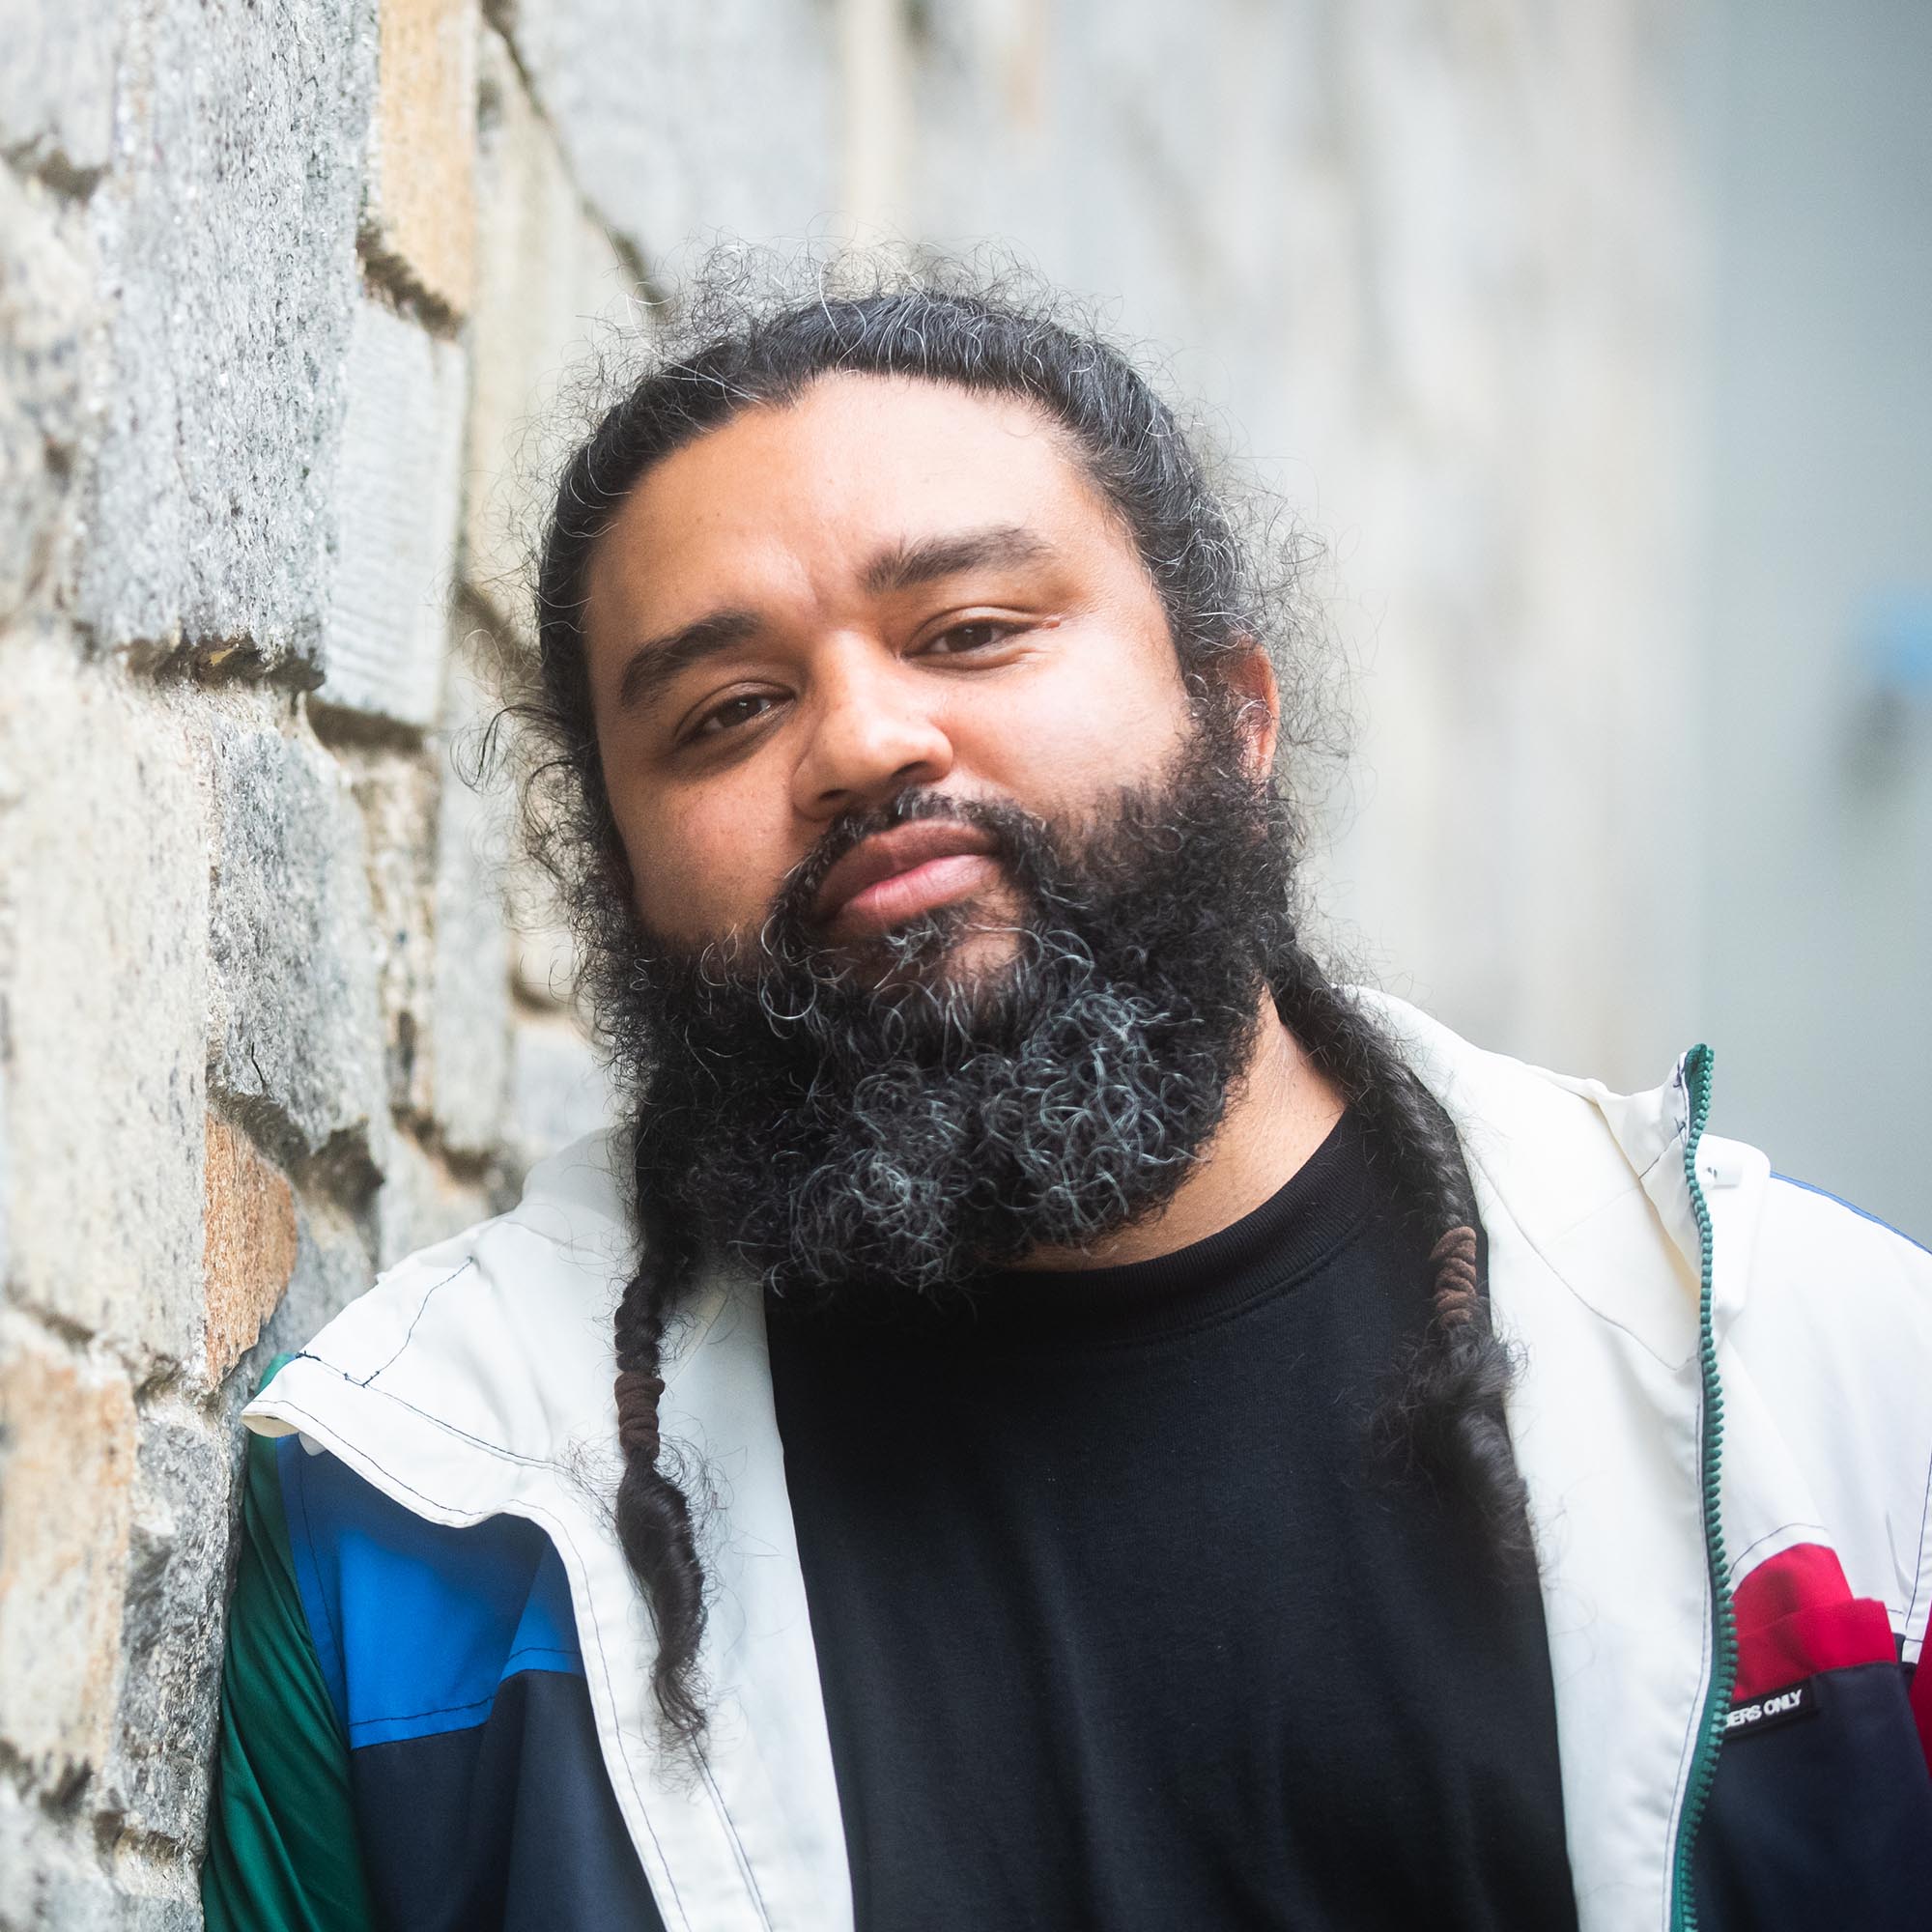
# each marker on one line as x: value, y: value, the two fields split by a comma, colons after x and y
x: 895, y: 875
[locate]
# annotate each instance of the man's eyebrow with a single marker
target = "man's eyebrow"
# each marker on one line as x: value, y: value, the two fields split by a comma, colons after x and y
x: 908, y: 563
x: 656, y: 662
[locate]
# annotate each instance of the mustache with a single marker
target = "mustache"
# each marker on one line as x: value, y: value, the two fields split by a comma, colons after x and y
x: 791, y: 941
x: 791, y: 911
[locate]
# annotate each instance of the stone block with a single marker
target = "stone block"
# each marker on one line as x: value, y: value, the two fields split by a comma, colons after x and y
x: 296, y: 1047
x: 740, y: 135
x: 226, y: 228
x: 419, y: 215
x: 546, y: 276
x: 53, y: 1877
x: 470, y: 1011
x: 171, y: 1620
x: 335, y: 1264
x: 395, y: 555
x: 57, y: 86
x: 397, y: 791
x: 44, y: 312
x: 421, y: 1201
x: 248, y: 1246
x: 66, y: 1477
x: 104, y: 906
x: 559, y: 1090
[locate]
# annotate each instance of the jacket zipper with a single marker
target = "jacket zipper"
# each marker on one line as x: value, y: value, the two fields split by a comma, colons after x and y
x: 1724, y: 1640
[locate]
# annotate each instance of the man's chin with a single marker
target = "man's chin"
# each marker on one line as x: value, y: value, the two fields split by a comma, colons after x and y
x: 962, y: 951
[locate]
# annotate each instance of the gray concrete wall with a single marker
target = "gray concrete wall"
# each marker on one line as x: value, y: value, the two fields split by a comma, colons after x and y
x: 280, y: 290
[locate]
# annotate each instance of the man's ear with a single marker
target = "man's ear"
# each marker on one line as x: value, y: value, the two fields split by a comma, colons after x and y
x: 1251, y: 680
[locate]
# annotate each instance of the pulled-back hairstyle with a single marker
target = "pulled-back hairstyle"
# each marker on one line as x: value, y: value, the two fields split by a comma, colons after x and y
x: 1223, y: 596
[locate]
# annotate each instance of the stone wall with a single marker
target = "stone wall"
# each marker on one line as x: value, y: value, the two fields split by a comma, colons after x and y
x: 284, y: 285
x: 280, y: 286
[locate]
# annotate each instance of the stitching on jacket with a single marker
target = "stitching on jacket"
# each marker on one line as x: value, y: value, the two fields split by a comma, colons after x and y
x: 698, y: 1336
x: 469, y: 1262
x: 1693, y: 1724
x: 737, y: 1843
x: 562, y: 1530
x: 1918, y: 1574
x: 1536, y: 1247
x: 1694, y: 1717
x: 475, y: 1703
x: 436, y: 1711
x: 495, y: 1449
x: 1738, y: 1562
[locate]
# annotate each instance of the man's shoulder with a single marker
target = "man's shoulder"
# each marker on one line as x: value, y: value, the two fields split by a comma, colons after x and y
x: 1838, y: 1285
x: 501, y: 1333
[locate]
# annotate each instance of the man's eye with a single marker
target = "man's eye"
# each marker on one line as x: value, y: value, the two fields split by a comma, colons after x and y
x: 732, y: 713
x: 963, y: 639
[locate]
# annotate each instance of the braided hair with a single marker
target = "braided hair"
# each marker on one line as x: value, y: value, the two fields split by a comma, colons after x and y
x: 942, y: 324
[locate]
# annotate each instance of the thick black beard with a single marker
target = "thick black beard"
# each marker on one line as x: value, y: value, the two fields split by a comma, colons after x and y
x: 866, y: 1125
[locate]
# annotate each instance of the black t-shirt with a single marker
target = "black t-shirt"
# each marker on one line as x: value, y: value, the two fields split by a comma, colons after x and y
x: 1125, y: 1622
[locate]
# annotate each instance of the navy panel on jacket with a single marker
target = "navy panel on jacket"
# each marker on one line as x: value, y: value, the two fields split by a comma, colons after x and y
x: 1825, y: 1819
x: 480, y: 1792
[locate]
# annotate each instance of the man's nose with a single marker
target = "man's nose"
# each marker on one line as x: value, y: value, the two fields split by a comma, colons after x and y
x: 873, y: 734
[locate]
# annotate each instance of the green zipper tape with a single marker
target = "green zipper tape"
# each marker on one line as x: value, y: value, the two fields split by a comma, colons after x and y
x: 1697, y: 1064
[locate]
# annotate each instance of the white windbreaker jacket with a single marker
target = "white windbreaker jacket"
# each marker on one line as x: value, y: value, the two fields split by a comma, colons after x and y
x: 1722, y: 1414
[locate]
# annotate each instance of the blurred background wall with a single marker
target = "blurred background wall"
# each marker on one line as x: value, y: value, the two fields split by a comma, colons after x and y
x: 1589, y: 338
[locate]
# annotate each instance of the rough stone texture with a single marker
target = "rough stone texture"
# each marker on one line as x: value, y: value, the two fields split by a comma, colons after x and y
x: 227, y: 233
x: 44, y: 313
x: 248, y: 1246
x: 52, y: 1877
x: 739, y: 136
x: 57, y: 85
x: 336, y: 1262
x: 70, y: 1437
x: 103, y: 902
x: 559, y: 1090
x: 419, y: 216
x: 398, y: 796
x: 157, y: 1778
x: 298, y: 1033
x: 402, y: 452
x: 420, y: 1202
x: 546, y: 277
x: 470, y: 1042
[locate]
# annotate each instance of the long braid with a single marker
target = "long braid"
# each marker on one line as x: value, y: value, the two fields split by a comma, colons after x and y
x: 653, y: 1513
x: 1447, y: 1411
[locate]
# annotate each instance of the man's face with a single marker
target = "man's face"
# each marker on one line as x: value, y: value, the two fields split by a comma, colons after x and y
x: 885, y: 585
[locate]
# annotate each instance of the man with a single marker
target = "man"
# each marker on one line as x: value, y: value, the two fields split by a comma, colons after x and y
x: 1049, y: 1414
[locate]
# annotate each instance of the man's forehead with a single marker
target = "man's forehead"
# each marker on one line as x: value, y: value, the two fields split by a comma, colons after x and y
x: 856, y: 470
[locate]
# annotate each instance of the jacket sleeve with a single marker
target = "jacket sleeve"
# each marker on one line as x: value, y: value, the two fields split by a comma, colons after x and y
x: 282, y: 1848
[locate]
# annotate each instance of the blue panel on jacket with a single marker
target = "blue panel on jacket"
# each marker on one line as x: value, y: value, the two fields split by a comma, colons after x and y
x: 416, y: 1623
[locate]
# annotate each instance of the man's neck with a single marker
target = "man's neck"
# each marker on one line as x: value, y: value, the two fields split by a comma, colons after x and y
x: 1279, y: 1112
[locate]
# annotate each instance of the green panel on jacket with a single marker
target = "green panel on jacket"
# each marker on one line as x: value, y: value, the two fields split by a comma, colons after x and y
x: 282, y: 1847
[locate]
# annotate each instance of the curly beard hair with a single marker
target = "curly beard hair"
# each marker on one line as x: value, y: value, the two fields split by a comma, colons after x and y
x: 865, y: 1123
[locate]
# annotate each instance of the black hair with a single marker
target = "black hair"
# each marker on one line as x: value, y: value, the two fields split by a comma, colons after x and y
x: 943, y: 325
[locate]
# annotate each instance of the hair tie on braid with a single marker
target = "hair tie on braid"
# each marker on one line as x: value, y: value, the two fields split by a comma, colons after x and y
x: 638, y: 1414
x: 1454, y: 1260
